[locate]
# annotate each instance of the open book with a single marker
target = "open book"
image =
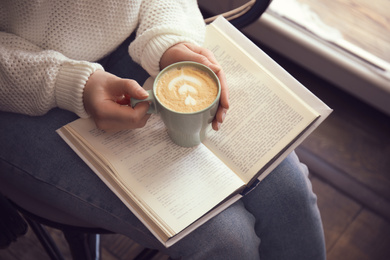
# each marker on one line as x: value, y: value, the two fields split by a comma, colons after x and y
x: 172, y: 189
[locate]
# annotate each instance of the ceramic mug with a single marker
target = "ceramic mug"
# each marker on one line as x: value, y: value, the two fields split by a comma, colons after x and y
x: 186, y: 129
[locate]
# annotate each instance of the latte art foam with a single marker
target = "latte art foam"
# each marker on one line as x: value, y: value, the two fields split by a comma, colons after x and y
x: 186, y: 89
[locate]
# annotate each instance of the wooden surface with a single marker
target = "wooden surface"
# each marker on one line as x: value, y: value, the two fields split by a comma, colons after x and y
x: 364, y: 23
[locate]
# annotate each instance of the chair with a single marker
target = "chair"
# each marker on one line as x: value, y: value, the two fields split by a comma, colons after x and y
x: 82, y: 239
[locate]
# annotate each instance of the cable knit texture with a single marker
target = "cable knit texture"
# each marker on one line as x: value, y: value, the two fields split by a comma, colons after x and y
x: 48, y: 49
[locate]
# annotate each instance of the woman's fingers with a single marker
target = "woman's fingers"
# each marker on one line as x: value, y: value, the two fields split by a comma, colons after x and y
x: 106, y: 100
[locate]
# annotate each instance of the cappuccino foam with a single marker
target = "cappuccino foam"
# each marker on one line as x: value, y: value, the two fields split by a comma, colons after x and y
x: 186, y: 89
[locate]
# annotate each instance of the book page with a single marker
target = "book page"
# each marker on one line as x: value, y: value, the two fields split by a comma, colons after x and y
x: 173, y: 183
x: 264, y: 115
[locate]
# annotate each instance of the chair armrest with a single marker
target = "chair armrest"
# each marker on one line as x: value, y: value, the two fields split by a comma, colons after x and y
x: 244, y: 14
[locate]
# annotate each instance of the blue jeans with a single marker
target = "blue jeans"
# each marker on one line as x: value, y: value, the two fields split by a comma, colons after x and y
x: 278, y: 220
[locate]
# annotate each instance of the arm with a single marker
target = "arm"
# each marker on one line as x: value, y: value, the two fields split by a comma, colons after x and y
x: 172, y: 31
x: 33, y: 80
x: 163, y: 24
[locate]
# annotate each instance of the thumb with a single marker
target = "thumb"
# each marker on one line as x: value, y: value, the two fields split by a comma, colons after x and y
x: 131, y: 88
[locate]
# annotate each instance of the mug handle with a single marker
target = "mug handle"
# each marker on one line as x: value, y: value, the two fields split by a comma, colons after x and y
x: 152, y: 104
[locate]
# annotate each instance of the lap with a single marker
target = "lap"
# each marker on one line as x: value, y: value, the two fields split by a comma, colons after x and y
x: 49, y: 171
x: 41, y: 165
x: 38, y: 167
x: 38, y: 155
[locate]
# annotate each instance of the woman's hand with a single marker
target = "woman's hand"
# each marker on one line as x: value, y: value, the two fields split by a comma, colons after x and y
x: 191, y: 52
x: 107, y: 97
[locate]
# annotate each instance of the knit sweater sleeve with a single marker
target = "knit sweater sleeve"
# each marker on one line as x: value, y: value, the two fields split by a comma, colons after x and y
x: 162, y: 25
x: 33, y: 80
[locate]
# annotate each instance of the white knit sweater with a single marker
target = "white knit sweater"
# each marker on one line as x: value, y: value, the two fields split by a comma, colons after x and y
x: 48, y: 48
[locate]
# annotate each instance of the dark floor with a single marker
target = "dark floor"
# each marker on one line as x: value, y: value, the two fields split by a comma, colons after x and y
x: 349, y: 159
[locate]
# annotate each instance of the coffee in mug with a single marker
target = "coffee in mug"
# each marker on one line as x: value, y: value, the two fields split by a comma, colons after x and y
x: 186, y: 95
x: 186, y: 89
